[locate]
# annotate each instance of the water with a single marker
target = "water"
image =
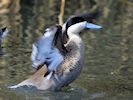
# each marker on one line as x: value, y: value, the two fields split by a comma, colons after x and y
x: 108, y: 70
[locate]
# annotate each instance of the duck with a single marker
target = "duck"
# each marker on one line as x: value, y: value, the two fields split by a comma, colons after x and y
x: 3, y: 33
x: 74, y: 47
x: 71, y: 46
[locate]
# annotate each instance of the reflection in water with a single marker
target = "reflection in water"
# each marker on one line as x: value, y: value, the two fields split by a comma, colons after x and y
x: 109, y: 49
x: 32, y: 94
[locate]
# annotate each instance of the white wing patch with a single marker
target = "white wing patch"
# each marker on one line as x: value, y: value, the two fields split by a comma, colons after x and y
x: 34, y: 52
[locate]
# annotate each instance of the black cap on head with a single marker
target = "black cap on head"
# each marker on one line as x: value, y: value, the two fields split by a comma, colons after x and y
x: 74, y: 20
x: 89, y: 17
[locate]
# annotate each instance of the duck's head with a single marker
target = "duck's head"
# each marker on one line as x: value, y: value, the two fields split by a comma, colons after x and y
x: 3, y: 32
x: 78, y: 27
x: 75, y: 24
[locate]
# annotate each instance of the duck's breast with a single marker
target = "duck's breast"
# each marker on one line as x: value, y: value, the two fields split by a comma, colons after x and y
x: 73, y: 61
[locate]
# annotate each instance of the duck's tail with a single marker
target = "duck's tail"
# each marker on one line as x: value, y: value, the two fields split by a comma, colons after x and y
x: 34, y: 80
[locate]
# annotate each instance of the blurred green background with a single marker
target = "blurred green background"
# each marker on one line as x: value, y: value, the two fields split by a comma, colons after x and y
x: 108, y: 70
